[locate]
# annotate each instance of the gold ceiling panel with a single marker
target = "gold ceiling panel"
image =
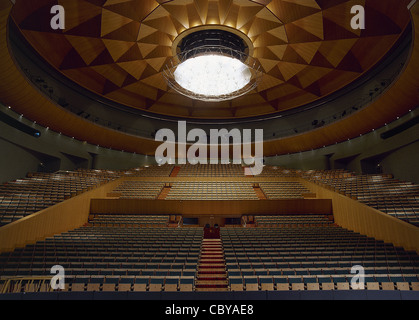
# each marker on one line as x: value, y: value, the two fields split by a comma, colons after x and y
x: 118, y: 48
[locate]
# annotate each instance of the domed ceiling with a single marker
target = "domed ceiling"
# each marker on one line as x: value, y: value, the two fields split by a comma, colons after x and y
x: 118, y: 48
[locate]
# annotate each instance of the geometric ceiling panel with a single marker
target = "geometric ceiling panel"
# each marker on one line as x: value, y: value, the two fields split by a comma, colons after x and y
x: 118, y: 48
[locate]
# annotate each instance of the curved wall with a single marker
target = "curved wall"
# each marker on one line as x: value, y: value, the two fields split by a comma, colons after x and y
x: 52, y: 151
x: 396, y: 155
x: 369, y: 153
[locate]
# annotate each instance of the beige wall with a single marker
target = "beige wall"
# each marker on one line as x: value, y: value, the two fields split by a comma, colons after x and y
x: 197, y: 208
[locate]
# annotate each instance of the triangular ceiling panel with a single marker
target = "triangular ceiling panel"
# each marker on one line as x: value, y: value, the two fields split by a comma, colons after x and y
x: 350, y: 63
x: 163, y: 24
x: 288, y: 12
x: 333, y: 31
x: 278, y: 51
x: 133, y: 54
x: 72, y: 61
x: 90, y: 28
x: 276, y: 36
x: 290, y: 69
x: 325, y: 4
x: 135, y: 10
x: 103, y: 58
x: 134, y: 68
x: 160, y: 38
x: 112, y: 21
x: 247, y: 14
x: 113, y: 72
x: 312, y: 24
x: 260, y: 26
x: 77, y: 12
x: 306, y: 51
x: 118, y: 48
x: 128, y: 32
x: 88, y: 49
x: 178, y: 12
x: 320, y: 60
x: 297, y: 34
x: 336, y: 50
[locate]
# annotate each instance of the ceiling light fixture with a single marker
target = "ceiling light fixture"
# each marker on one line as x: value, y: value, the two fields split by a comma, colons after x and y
x: 212, y: 65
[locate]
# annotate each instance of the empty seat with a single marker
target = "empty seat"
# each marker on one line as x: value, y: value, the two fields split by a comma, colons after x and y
x: 95, y: 283
x: 110, y: 283
x: 141, y: 283
x: 266, y: 283
x: 281, y: 283
x: 79, y: 283
x: 156, y: 284
x: 403, y: 286
x: 171, y: 284
x: 371, y: 283
x: 126, y: 283
x: 311, y: 283
x: 296, y: 283
x: 326, y: 282
x: 186, y: 283
x: 252, y: 283
x: 236, y: 283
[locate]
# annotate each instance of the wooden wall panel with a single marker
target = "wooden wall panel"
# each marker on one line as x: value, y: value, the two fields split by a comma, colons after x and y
x: 196, y: 208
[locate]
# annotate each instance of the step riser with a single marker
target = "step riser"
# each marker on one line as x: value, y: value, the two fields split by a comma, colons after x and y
x: 211, y: 267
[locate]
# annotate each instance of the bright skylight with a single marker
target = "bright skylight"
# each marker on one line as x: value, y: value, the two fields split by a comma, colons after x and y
x: 212, y: 75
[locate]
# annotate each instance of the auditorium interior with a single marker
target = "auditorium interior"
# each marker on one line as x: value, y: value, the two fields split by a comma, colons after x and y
x: 88, y: 211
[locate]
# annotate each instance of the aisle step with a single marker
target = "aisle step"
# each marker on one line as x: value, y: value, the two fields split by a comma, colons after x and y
x: 212, y: 275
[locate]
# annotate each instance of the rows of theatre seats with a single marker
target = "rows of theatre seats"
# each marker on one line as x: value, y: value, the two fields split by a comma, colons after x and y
x: 312, y: 257
x: 278, y: 172
x: 107, y: 258
x: 291, y: 221
x: 204, y: 190
x: 304, y: 254
x: 153, y: 171
x: 38, y: 191
x: 211, y: 170
x: 139, y: 189
x: 283, y: 190
x: 396, y: 198
x: 144, y: 171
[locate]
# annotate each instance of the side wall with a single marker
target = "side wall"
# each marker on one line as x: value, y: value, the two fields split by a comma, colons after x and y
x: 369, y: 153
x: 52, y: 151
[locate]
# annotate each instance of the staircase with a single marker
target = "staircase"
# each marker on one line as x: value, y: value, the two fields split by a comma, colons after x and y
x: 212, y: 274
x: 175, y: 171
x: 163, y: 193
x: 259, y: 192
